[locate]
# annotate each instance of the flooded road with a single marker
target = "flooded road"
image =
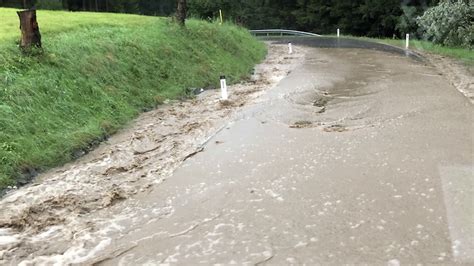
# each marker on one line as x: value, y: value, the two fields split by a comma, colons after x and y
x: 356, y: 156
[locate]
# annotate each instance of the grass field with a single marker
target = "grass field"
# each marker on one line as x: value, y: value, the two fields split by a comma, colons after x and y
x: 97, y: 72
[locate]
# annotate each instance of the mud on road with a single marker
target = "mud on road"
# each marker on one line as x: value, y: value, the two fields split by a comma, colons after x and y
x: 459, y: 75
x: 356, y: 157
x: 361, y: 131
x: 55, y: 214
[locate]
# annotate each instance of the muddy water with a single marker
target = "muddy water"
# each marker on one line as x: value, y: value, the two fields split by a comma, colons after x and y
x: 460, y: 76
x: 67, y: 215
x: 355, y: 157
x: 360, y: 182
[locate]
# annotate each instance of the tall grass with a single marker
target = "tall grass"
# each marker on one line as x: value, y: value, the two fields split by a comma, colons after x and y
x: 96, y: 73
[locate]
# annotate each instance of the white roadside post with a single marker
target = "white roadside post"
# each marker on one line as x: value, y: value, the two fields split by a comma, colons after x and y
x: 290, y: 48
x: 407, y: 45
x: 338, y: 33
x: 224, y: 93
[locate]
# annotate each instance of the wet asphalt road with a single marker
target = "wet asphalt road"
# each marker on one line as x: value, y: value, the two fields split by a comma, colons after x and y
x: 356, y: 157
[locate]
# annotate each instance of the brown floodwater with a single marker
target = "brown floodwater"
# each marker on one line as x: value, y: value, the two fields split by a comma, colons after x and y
x: 352, y: 156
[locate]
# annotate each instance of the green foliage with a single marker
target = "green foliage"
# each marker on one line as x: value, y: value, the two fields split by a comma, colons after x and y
x: 379, y: 17
x: 356, y: 17
x: 97, y: 72
x: 450, y: 23
x: 407, y: 21
x: 49, y: 4
x: 148, y: 7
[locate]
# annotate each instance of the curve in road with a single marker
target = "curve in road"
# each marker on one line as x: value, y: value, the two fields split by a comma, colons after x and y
x: 358, y: 156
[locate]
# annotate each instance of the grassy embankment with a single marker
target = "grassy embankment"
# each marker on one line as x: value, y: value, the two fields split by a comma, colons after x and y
x: 97, y: 72
x: 464, y: 55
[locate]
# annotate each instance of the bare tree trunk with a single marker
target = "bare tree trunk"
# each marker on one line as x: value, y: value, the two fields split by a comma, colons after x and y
x: 181, y: 12
x: 30, y: 34
x: 96, y: 6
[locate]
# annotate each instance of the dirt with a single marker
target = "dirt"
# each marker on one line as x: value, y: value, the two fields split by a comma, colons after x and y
x: 335, y: 128
x: 322, y: 101
x: 302, y: 124
x: 133, y: 161
x: 460, y: 76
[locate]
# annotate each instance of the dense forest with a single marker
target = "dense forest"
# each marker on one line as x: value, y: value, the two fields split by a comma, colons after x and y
x: 373, y: 18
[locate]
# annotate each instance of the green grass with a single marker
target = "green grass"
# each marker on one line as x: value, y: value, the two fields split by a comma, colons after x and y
x: 464, y: 55
x: 97, y: 72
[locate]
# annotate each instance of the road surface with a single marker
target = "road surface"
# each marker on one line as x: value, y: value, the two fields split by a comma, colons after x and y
x: 357, y: 156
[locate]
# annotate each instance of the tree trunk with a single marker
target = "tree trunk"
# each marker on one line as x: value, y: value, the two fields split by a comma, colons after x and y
x: 30, y: 34
x: 181, y: 12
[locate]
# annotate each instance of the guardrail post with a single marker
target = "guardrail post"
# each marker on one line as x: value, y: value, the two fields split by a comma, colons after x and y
x: 224, y: 92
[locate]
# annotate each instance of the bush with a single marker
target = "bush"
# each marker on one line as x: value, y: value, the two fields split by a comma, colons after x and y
x: 449, y: 23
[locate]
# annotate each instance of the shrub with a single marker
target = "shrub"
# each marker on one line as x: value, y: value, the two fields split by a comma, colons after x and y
x: 449, y: 23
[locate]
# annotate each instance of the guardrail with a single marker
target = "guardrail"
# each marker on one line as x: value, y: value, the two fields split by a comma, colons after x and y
x: 281, y: 32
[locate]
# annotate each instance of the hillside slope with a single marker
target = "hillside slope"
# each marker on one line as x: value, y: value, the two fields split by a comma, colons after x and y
x: 97, y: 72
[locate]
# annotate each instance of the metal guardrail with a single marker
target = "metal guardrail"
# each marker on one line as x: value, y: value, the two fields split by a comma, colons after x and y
x: 279, y: 35
x: 281, y: 32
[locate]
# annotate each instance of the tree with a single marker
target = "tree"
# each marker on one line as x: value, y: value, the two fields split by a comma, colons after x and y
x: 157, y: 8
x: 357, y: 17
x: 407, y: 21
x: 181, y: 11
x: 378, y: 18
x: 50, y: 4
x: 449, y: 23
x: 30, y: 34
x: 314, y: 16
